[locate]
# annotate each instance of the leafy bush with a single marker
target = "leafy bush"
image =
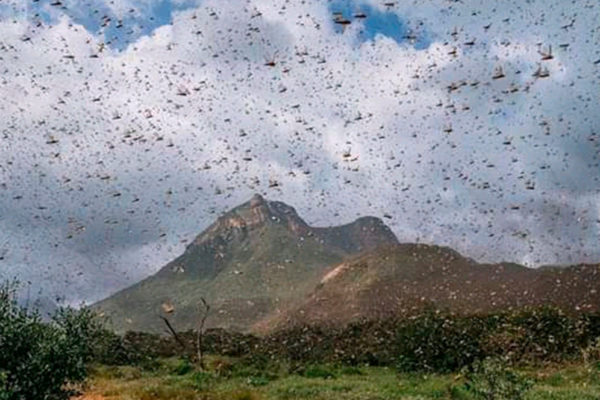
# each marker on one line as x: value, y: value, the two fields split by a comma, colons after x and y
x: 491, y: 379
x: 432, y: 341
x: 437, y: 342
x: 183, y: 367
x: 133, y: 348
x: 549, y: 334
x: 37, y: 359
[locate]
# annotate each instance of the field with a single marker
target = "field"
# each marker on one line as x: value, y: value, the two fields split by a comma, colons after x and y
x: 223, y: 379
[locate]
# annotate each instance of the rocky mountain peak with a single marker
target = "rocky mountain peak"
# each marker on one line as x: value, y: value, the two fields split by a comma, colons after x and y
x: 251, y: 215
x: 257, y: 200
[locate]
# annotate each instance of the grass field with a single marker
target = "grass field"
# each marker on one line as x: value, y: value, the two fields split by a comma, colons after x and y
x: 174, y: 379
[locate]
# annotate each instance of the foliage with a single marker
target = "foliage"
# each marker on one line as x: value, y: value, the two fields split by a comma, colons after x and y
x: 432, y: 341
x: 591, y: 353
x: 318, y: 371
x: 37, y: 359
x: 549, y: 334
x: 258, y: 370
x: 183, y: 367
x: 491, y: 379
x: 133, y: 348
x: 436, y: 342
x: 204, y: 380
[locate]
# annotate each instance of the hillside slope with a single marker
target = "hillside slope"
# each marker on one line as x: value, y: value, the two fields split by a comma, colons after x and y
x: 399, y: 280
x: 256, y: 259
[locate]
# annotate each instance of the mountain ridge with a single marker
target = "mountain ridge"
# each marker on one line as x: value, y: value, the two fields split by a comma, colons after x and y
x: 263, y: 268
x: 378, y: 285
x: 254, y: 259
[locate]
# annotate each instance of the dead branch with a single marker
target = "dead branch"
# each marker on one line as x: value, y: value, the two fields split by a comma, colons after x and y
x: 175, y: 335
x: 200, y: 333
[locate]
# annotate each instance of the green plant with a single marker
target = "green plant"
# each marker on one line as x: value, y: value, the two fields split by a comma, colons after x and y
x: 437, y: 342
x: 491, y: 379
x: 183, y: 367
x: 258, y: 371
x: 548, y: 334
x: 350, y: 370
x: 203, y: 380
x: 38, y: 360
x: 318, y: 371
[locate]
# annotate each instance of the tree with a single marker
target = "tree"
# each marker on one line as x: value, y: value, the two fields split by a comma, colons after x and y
x: 203, y: 309
x: 39, y: 360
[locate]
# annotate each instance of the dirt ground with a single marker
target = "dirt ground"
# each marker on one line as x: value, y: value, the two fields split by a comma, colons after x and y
x: 88, y: 397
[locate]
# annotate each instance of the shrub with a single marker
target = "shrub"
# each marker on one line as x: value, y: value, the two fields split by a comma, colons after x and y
x: 183, y: 367
x: 133, y: 348
x: 37, y: 359
x: 549, y: 334
x: 440, y: 343
x: 491, y: 379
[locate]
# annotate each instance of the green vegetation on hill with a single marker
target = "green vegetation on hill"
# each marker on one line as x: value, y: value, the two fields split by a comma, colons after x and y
x: 255, y: 260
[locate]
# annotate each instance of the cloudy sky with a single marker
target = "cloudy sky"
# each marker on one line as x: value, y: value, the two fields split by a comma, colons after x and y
x: 127, y: 127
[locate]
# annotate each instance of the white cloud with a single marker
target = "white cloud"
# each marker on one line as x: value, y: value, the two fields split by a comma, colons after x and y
x: 126, y: 134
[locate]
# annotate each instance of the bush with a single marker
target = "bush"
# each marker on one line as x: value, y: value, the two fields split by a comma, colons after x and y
x: 37, y: 359
x: 439, y: 343
x: 491, y: 379
x: 134, y: 348
x: 183, y: 367
x: 549, y: 334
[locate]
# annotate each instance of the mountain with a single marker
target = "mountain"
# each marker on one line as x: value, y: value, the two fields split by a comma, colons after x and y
x: 254, y: 261
x: 399, y: 280
x: 262, y: 268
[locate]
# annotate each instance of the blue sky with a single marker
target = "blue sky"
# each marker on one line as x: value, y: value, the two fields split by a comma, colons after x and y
x: 143, y: 21
x: 387, y: 23
x: 121, y: 30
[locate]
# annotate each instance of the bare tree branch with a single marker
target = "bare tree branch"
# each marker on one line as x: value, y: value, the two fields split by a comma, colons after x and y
x: 175, y: 335
x: 200, y: 333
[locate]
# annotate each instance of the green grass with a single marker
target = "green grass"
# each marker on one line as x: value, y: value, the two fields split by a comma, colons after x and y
x: 174, y: 380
